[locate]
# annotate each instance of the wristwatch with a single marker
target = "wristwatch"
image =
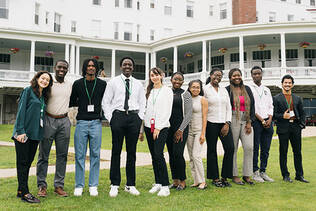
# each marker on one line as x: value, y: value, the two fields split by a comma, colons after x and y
x: 228, y: 122
x: 263, y: 122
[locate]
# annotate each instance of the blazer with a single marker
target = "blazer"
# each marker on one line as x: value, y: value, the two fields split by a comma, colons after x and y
x: 280, y: 106
x: 252, y: 102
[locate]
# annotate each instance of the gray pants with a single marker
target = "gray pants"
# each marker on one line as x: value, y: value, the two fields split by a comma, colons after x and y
x: 195, y: 151
x: 239, y: 132
x: 58, y: 130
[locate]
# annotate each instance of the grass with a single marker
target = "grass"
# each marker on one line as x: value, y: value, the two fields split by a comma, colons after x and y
x: 267, y: 196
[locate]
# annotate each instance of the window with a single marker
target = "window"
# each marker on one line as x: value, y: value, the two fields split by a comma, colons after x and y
x: 223, y: 11
x: 128, y: 3
x: 190, y: 9
x: 96, y: 2
x: 128, y: 31
x: 309, y: 53
x: 312, y: 2
x: 139, y: 71
x: 138, y: 5
x: 44, y: 63
x: 96, y: 28
x: 290, y: 54
x: 283, y: 0
x: 138, y: 29
x: 190, y: 67
x: 152, y: 35
x: 116, y: 30
x: 218, y: 61
x: 57, y: 22
x: 117, y: 3
x: 272, y: 16
x: 257, y: 16
x: 152, y: 3
x: 36, y: 16
x: 46, y: 17
x: 200, y: 65
x: 298, y: 1
x: 290, y: 17
x: 4, y: 58
x: 234, y: 57
x: 167, y: 32
x: 210, y: 10
x: 73, y: 26
x: 168, y: 8
x: 4, y: 11
x: 261, y: 55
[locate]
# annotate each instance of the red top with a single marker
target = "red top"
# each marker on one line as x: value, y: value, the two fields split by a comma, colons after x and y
x: 242, y: 106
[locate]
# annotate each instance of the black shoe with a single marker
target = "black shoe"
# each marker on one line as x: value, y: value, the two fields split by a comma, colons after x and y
x: 226, y: 183
x: 301, y: 179
x: 30, y: 198
x: 287, y: 179
x: 218, y: 184
x: 19, y: 194
x: 248, y: 180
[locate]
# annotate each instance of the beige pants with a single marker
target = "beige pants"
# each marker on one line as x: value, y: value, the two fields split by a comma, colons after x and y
x: 196, y: 163
x: 239, y: 132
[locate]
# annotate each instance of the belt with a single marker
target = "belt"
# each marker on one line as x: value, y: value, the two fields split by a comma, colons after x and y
x: 57, y: 116
x: 127, y: 112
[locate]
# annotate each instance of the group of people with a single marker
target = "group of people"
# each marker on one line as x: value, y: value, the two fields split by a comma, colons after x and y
x: 168, y: 116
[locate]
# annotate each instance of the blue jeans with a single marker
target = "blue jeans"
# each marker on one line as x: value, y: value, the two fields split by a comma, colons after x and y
x: 88, y: 130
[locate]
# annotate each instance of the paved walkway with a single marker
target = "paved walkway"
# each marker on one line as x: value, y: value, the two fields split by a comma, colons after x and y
x: 142, y: 158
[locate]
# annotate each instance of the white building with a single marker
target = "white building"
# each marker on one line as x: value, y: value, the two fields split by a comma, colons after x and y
x: 268, y: 33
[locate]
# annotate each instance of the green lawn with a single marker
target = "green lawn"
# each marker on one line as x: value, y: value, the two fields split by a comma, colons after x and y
x: 268, y: 196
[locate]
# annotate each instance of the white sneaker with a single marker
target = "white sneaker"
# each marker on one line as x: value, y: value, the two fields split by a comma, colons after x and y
x: 265, y: 177
x: 155, y: 188
x: 93, y: 191
x: 256, y: 177
x: 164, y: 191
x: 78, y: 191
x: 132, y: 190
x: 114, y: 190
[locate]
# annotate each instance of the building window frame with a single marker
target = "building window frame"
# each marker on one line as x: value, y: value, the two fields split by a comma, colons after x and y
x: 128, y: 3
x: 272, y: 17
x: 190, y: 9
x: 152, y: 35
x: 96, y: 2
x: 117, y: 3
x: 36, y: 13
x: 128, y: 31
x: 73, y: 26
x: 4, y: 9
x: 116, y: 30
x: 5, y: 58
x: 223, y: 11
x: 57, y: 20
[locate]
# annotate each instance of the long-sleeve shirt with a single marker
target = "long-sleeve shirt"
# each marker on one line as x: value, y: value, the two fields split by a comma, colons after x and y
x: 114, y: 96
x: 263, y: 100
x: 159, y: 106
x: 29, y: 115
x: 219, y: 107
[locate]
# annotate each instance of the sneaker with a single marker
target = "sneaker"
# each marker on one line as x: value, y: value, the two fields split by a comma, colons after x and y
x: 93, y: 191
x: 132, y: 190
x: 155, y: 188
x: 78, y: 191
x: 265, y: 177
x: 257, y: 177
x: 164, y: 191
x: 114, y: 190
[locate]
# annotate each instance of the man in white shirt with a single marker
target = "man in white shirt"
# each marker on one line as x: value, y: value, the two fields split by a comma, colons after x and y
x: 263, y: 127
x: 123, y: 104
x: 56, y: 127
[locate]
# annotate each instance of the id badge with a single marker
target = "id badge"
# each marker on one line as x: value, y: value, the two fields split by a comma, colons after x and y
x: 90, y: 108
x: 152, y: 125
x: 41, y: 123
x: 292, y: 113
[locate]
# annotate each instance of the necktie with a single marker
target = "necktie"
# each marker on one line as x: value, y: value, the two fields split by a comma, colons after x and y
x: 126, y: 95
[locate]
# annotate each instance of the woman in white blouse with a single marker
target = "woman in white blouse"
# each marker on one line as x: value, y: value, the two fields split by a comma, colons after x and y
x: 218, y: 126
x: 156, y: 121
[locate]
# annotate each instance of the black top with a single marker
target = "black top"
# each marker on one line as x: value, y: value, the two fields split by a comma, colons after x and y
x: 177, y: 112
x: 80, y: 98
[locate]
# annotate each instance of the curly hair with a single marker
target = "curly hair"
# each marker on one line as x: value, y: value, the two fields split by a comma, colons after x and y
x: 46, y: 91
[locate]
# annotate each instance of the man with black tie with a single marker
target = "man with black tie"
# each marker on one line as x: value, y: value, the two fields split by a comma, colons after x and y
x: 290, y: 120
x: 123, y: 104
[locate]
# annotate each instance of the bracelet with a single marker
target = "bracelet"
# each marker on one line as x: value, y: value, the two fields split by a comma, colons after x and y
x: 263, y: 122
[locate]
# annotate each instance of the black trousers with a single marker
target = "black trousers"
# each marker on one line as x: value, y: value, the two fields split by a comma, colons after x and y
x: 175, y: 151
x: 156, y: 148
x: 25, y: 153
x: 295, y: 137
x: 212, y: 133
x: 124, y: 126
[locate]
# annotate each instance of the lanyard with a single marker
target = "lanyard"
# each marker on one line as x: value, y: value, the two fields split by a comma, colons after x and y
x: 288, y: 103
x: 42, y: 106
x: 155, y: 98
x: 260, y: 95
x: 85, y: 84
x: 128, y: 89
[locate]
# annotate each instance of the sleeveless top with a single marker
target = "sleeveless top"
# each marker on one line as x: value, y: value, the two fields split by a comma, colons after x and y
x: 196, y: 121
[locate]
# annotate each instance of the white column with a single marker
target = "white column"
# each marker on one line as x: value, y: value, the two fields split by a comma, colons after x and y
x: 209, y: 56
x: 77, y: 70
x: 204, y: 56
x: 67, y: 52
x: 241, y: 56
x: 153, y: 59
x: 283, y: 55
x: 146, y: 66
x: 72, y: 59
x: 32, y: 56
x: 113, y: 64
x: 175, y: 59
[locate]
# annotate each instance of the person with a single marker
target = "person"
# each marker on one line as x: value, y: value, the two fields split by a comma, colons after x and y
x: 290, y: 120
x: 87, y: 93
x: 28, y: 129
x: 196, y: 136
x: 56, y: 127
x: 178, y: 131
x: 123, y: 104
x: 156, y: 122
x: 243, y: 115
x: 218, y: 126
x: 262, y: 126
